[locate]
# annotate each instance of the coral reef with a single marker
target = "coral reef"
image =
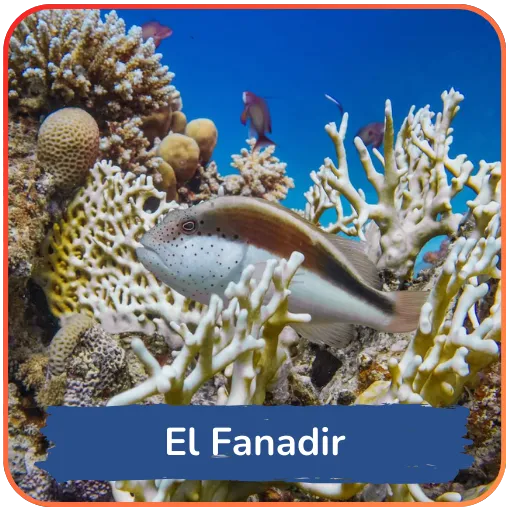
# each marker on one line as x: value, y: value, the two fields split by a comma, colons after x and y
x: 438, y: 256
x: 178, y: 122
x: 30, y: 191
x: 124, y: 144
x: 68, y: 146
x: 65, y: 341
x: 242, y: 338
x: 205, y: 134
x: 60, y: 57
x: 181, y: 153
x: 414, y: 192
x: 157, y: 124
x: 261, y: 174
x: 241, y: 350
x: 90, y: 265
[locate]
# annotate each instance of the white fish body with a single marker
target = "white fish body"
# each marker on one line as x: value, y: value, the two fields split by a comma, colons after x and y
x: 201, y: 250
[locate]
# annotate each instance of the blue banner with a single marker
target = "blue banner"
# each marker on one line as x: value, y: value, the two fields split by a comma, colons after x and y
x: 377, y: 444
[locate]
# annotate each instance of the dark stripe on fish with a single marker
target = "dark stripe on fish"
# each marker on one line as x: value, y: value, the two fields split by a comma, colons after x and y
x: 283, y: 235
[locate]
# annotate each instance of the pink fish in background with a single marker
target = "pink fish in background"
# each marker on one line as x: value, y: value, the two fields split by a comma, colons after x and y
x: 256, y: 110
x: 373, y: 134
x: 156, y: 31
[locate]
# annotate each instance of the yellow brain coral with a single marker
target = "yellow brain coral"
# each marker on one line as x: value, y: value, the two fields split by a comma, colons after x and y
x: 205, y: 134
x: 181, y: 153
x: 68, y: 146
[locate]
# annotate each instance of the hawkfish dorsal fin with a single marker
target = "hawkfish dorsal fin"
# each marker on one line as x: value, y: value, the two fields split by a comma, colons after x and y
x: 334, y: 334
x: 355, y: 254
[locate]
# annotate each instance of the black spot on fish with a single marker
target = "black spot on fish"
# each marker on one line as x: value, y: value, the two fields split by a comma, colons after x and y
x: 236, y: 236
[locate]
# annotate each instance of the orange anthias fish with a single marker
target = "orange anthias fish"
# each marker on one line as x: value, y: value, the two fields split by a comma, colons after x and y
x: 200, y: 250
x: 373, y: 134
x: 156, y: 31
x: 256, y: 110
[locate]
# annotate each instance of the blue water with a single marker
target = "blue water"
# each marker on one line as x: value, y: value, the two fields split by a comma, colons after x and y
x: 361, y: 57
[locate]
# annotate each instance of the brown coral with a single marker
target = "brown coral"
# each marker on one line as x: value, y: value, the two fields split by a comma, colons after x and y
x: 68, y: 146
x: 181, y: 153
x: 178, y: 122
x: 205, y: 134
x: 29, y: 194
x: 157, y: 124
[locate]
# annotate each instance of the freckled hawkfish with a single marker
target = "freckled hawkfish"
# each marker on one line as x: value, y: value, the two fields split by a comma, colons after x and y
x: 198, y: 251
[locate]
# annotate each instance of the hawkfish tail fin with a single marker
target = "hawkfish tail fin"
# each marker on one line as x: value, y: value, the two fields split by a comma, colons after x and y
x: 334, y: 334
x: 407, y: 311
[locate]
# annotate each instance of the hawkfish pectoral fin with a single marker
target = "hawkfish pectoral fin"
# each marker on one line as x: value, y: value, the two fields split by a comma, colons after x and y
x: 407, y: 311
x: 335, y: 334
x: 355, y: 254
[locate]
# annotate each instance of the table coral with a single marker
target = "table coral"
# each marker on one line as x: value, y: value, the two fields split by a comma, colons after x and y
x: 60, y: 57
x: 90, y: 264
x: 414, y: 192
x: 68, y: 146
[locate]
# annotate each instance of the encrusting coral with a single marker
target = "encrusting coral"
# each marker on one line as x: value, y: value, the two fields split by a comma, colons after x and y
x: 89, y: 262
x: 61, y: 57
x: 68, y: 146
x: 414, y: 193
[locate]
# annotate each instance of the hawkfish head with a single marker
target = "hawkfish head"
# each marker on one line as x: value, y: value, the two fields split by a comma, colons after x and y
x: 196, y: 251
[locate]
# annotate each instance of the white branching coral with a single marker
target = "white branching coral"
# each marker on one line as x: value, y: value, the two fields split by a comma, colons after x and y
x: 261, y: 174
x: 125, y: 144
x: 243, y: 335
x: 90, y: 265
x: 60, y: 57
x: 414, y: 191
x: 243, y: 339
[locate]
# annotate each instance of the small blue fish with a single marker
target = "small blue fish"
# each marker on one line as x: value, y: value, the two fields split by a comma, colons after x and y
x: 332, y: 99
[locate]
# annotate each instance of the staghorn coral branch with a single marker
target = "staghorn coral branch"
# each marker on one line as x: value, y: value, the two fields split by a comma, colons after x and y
x: 254, y: 317
x: 414, y: 191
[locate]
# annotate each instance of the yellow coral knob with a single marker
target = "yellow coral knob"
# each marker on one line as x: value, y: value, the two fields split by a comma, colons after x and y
x: 178, y: 122
x: 181, y: 153
x: 68, y: 146
x: 205, y: 134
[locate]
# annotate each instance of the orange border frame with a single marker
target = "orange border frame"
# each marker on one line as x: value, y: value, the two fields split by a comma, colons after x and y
x: 476, y: 10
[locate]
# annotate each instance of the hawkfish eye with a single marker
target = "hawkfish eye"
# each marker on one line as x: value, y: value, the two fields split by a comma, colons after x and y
x: 189, y: 226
